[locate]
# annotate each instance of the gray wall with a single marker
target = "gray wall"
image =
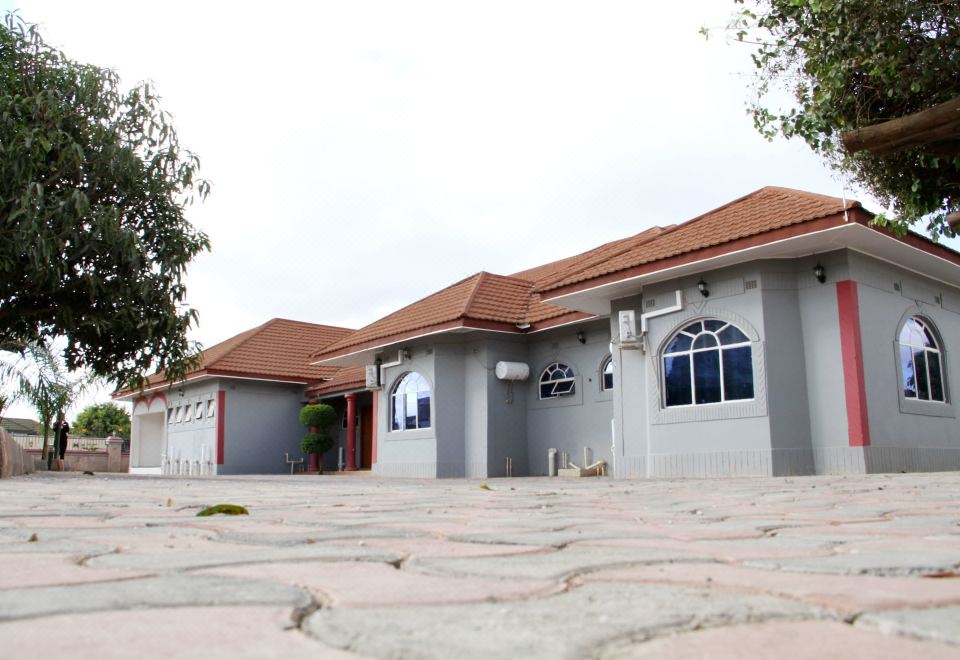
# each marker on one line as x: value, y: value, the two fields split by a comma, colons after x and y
x: 262, y: 422
x: 406, y: 453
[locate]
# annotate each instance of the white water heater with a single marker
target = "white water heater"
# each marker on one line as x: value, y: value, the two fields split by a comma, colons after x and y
x: 512, y: 370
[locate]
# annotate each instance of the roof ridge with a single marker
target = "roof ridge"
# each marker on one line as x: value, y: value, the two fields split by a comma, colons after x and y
x: 473, y: 294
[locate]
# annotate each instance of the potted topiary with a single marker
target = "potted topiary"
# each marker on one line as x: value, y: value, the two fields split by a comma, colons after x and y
x: 319, y: 417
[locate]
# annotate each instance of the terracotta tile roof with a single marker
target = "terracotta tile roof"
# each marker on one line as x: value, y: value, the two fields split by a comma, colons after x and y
x: 349, y: 378
x: 514, y: 302
x: 279, y: 349
x: 759, y: 212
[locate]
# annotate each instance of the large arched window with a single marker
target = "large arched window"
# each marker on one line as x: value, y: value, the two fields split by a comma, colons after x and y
x: 707, y: 362
x: 410, y: 403
x: 557, y: 380
x: 921, y: 361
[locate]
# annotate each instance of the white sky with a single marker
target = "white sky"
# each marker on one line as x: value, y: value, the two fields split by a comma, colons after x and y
x: 366, y: 154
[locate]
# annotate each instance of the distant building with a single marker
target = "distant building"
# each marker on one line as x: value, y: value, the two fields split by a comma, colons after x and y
x: 20, y: 426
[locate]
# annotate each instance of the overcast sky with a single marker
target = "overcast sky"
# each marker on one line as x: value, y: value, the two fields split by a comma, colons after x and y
x: 366, y: 154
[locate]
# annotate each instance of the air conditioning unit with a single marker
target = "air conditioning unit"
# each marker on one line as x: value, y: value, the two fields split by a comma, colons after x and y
x: 372, y: 377
x: 628, y: 329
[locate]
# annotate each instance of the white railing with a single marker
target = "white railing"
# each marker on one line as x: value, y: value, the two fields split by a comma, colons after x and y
x: 75, y: 443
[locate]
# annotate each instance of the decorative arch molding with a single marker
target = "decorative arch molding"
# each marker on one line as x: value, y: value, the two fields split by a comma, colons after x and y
x: 756, y: 407
x: 144, y: 404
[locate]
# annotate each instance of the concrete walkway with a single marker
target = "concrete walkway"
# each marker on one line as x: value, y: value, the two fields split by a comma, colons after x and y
x: 814, y: 567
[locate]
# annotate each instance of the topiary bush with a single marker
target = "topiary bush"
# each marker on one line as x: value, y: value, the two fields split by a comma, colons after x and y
x: 319, y: 415
x: 316, y: 443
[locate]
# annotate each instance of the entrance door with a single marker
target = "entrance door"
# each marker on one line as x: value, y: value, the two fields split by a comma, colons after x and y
x: 366, y: 438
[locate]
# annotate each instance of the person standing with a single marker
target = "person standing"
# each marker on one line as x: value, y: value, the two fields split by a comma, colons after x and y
x: 62, y: 438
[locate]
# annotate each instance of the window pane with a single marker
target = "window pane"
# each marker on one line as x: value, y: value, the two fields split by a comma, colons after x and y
x: 564, y: 387
x: 920, y: 363
x: 705, y: 341
x: 928, y: 339
x: 738, y: 373
x: 398, y: 412
x: 680, y: 343
x: 713, y: 325
x: 909, y: 380
x: 608, y: 380
x: 676, y: 377
x: 546, y: 390
x: 732, y: 335
x: 410, y: 421
x: 423, y: 410
x: 706, y: 376
x: 936, y: 377
x: 694, y: 328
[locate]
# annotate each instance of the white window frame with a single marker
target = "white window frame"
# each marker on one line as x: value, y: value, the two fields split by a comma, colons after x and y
x: 690, y: 352
x: 550, y: 369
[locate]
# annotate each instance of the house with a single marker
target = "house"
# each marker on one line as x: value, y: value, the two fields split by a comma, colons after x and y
x: 238, y: 411
x: 779, y: 334
x: 21, y: 426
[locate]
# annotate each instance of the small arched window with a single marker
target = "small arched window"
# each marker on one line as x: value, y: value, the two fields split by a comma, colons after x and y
x: 708, y: 361
x: 606, y: 374
x: 921, y: 362
x: 557, y: 380
x: 410, y: 403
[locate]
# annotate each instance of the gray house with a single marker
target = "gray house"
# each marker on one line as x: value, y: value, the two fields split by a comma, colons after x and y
x: 779, y: 334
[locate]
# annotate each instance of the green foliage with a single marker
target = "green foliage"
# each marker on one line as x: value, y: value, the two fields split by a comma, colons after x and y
x: 224, y: 509
x: 316, y: 443
x: 39, y: 378
x: 320, y: 415
x: 94, y: 242
x: 101, y: 420
x: 849, y: 64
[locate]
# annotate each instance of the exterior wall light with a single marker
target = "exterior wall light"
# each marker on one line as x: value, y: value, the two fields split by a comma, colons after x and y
x: 820, y: 273
x: 704, y: 291
x: 581, y: 336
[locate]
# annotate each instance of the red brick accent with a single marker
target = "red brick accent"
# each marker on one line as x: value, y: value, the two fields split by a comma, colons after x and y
x: 351, y: 431
x: 851, y: 350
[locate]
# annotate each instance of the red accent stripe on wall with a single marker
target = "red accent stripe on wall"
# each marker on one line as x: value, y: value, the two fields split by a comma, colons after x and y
x: 375, y: 421
x: 221, y: 420
x: 851, y: 350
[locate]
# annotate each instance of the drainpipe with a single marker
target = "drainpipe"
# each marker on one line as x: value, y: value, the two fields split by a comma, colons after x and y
x: 383, y: 367
x: 676, y: 307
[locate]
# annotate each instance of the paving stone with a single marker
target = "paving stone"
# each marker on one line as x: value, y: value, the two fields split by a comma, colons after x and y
x: 162, y: 591
x: 213, y: 633
x: 193, y: 559
x: 554, y: 565
x: 804, y: 640
x: 875, y: 562
x: 33, y: 570
x: 298, y: 538
x: 572, y: 624
x: 557, y: 538
x: 938, y: 624
x: 382, y: 585
x: 844, y: 594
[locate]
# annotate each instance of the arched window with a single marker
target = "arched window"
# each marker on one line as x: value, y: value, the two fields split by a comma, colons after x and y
x: 557, y: 380
x: 707, y: 362
x: 606, y: 374
x: 921, y: 361
x: 410, y: 403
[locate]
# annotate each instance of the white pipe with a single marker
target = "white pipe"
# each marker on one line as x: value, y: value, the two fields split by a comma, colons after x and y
x: 676, y: 307
x: 383, y: 367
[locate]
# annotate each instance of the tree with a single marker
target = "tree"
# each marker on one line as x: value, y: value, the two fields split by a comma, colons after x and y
x: 94, y: 242
x: 849, y: 64
x: 101, y: 420
x: 40, y: 379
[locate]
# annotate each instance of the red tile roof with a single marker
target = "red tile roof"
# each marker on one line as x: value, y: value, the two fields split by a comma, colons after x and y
x: 279, y: 349
x: 759, y: 212
x: 350, y: 378
x: 514, y: 304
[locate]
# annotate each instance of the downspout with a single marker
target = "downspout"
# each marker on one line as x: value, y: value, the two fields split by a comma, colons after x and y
x: 383, y: 366
x: 676, y: 307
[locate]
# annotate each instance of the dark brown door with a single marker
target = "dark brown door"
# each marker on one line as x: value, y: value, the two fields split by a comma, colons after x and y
x: 366, y: 437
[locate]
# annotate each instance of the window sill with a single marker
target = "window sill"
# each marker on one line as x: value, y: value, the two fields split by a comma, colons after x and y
x: 926, y: 408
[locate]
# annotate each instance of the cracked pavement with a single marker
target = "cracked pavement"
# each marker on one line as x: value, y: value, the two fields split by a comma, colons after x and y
x: 112, y: 566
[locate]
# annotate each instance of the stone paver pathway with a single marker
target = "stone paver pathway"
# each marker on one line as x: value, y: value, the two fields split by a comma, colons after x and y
x: 111, y: 566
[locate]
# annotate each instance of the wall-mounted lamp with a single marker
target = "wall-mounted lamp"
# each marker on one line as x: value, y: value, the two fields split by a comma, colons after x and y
x: 581, y: 336
x: 179, y: 391
x: 702, y: 286
x: 406, y: 354
x: 820, y: 273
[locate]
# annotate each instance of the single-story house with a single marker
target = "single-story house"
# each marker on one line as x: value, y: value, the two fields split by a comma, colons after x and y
x: 779, y: 334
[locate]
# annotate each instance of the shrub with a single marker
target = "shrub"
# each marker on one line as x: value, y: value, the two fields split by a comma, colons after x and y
x: 320, y: 415
x: 316, y: 443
